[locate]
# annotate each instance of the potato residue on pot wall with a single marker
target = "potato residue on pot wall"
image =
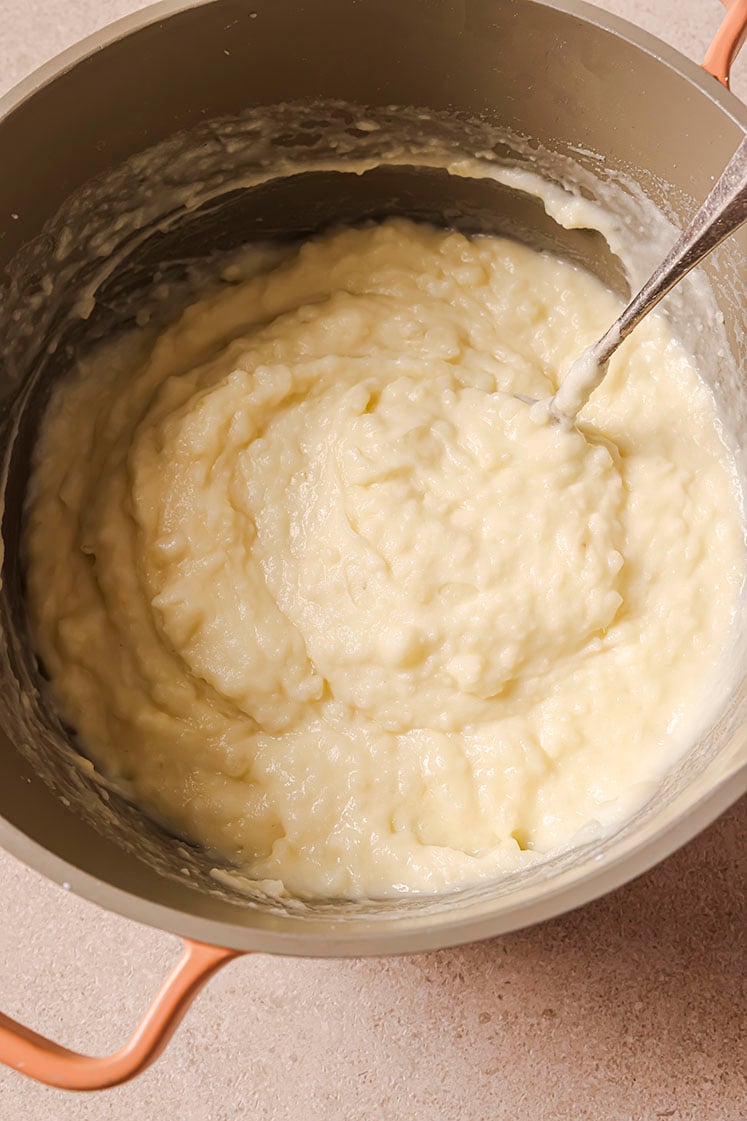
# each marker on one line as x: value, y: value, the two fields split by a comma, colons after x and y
x: 338, y: 608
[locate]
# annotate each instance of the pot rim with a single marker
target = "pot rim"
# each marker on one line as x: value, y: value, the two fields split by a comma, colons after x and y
x: 385, y: 937
x: 621, y: 28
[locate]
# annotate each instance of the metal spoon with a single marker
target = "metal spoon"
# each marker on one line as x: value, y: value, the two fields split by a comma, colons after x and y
x: 721, y: 214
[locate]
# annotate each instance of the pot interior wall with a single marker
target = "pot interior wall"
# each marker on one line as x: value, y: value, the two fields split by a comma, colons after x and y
x: 521, y: 66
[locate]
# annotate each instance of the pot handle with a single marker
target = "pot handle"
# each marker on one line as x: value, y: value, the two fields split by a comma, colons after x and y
x: 727, y: 42
x: 40, y: 1058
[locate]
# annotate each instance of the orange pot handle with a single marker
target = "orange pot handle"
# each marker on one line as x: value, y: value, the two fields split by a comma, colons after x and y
x: 46, y: 1061
x: 728, y: 41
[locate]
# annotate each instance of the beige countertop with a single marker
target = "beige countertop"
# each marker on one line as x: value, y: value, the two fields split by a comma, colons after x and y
x: 631, y: 1009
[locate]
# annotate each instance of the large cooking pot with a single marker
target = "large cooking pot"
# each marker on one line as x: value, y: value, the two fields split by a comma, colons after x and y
x: 569, y: 78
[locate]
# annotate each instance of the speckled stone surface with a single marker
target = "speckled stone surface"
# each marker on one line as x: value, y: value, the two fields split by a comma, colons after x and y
x: 632, y: 1009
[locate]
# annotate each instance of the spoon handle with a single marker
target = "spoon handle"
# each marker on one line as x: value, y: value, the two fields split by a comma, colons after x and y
x: 721, y: 214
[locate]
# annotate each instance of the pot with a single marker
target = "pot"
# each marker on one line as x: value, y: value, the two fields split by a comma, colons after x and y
x: 570, y: 77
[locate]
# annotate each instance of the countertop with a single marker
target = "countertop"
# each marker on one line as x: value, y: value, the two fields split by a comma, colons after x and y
x: 632, y: 1008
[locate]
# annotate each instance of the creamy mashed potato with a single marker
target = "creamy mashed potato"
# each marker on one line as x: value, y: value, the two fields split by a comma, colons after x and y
x: 331, y: 601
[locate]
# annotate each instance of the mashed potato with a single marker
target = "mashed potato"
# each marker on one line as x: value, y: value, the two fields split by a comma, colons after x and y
x: 330, y: 600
